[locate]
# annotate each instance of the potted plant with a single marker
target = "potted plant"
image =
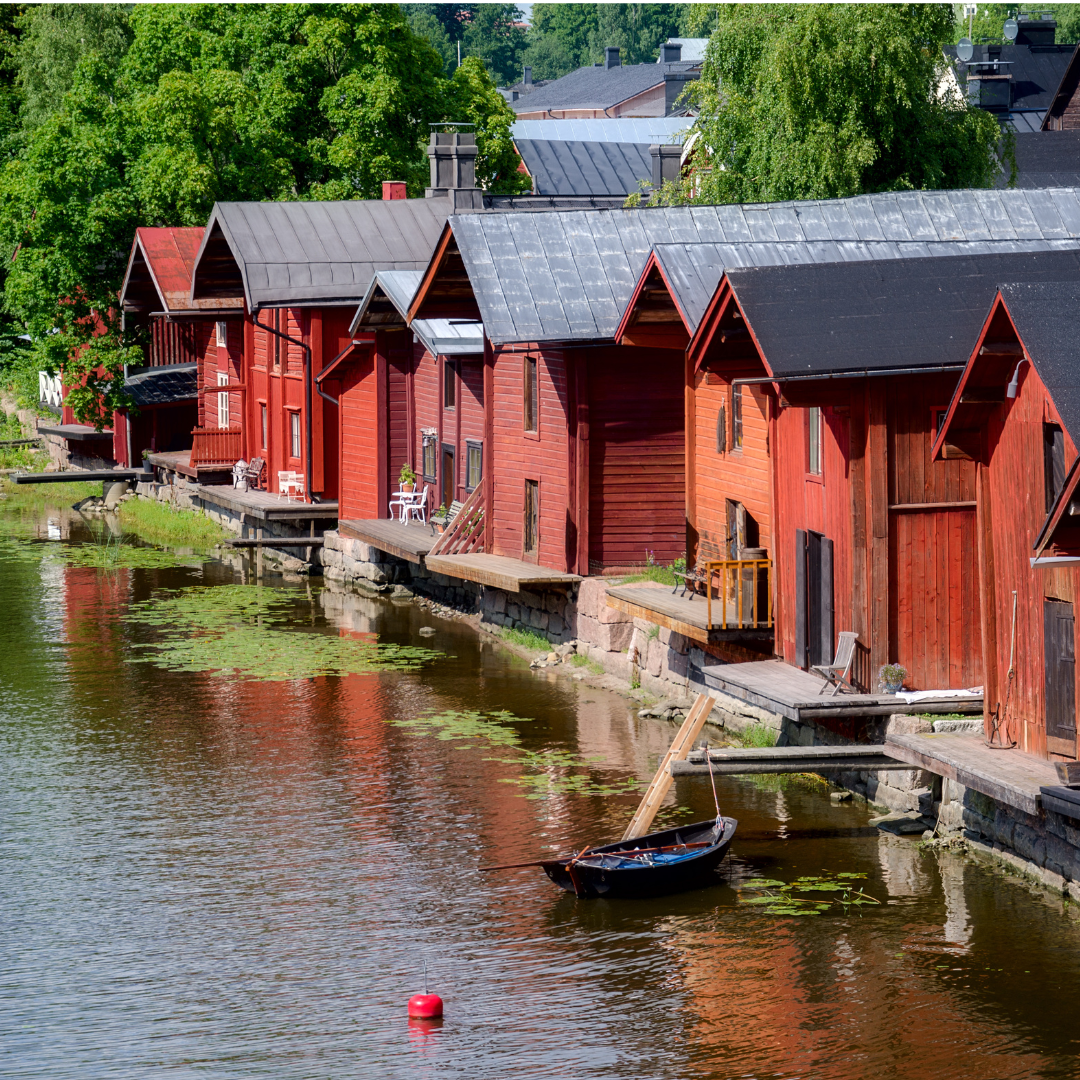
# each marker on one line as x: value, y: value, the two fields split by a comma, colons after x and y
x: 407, y: 478
x: 440, y: 524
x: 891, y: 677
x: 147, y: 464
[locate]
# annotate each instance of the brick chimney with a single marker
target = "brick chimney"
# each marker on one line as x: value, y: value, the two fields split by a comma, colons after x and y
x: 1034, y: 29
x: 611, y: 57
x: 666, y: 163
x: 670, y: 52
x: 453, y: 169
x: 393, y: 189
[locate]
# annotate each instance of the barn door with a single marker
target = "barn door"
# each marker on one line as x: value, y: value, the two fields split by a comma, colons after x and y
x: 813, y: 599
x: 1060, y: 659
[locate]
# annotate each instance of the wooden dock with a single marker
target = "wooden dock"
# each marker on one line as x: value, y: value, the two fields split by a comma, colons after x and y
x: 499, y: 572
x: 791, y: 759
x: 686, y: 615
x: 796, y: 694
x: 409, y: 542
x: 77, y: 476
x: 265, y: 506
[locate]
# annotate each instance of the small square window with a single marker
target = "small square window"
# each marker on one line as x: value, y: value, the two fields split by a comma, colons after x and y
x: 474, y: 465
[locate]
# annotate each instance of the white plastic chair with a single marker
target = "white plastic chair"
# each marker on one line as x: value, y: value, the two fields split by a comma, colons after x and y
x: 418, y: 507
x: 290, y: 483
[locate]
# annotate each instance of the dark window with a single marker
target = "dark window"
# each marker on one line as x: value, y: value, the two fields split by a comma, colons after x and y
x: 532, y: 516
x: 449, y: 386
x: 532, y: 395
x: 813, y: 441
x: 1053, y: 462
x: 474, y: 465
x: 721, y: 431
x: 449, y: 476
x: 294, y: 429
x: 277, y: 340
x: 429, y: 458
x: 736, y: 418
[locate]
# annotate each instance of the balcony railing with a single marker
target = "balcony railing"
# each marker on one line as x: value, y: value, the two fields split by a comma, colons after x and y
x: 743, y: 594
x: 216, y: 447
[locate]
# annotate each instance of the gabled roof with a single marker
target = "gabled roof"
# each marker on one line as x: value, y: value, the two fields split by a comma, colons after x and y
x: 308, y: 253
x: 1065, y: 89
x: 158, y: 274
x: 892, y: 314
x: 650, y: 129
x: 598, y: 87
x: 585, y: 168
x: 569, y: 275
x: 1046, y: 159
x: 386, y: 303
x: 164, y: 385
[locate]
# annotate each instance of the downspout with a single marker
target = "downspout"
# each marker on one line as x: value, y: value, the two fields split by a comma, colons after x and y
x: 340, y: 356
x: 308, y: 440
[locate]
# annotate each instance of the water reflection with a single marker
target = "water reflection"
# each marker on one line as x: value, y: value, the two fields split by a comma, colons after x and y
x: 201, y: 874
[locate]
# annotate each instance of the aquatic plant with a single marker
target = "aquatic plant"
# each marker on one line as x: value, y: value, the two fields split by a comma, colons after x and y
x: 248, y: 631
x: 758, y: 735
x: 778, y: 897
x: 527, y: 639
x: 114, y: 553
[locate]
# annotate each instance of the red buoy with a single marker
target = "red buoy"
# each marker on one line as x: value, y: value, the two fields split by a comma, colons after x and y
x: 425, y: 1006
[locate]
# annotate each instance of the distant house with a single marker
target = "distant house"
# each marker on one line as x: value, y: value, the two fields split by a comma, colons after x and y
x: 690, y: 50
x: 570, y: 168
x: 1017, y: 81
x: 1063, y: 113
x: 1015, y: 414
x: 609, y: 90
x: 184, y: 347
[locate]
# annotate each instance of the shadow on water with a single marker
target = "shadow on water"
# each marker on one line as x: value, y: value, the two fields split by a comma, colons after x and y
x: 210, y: 874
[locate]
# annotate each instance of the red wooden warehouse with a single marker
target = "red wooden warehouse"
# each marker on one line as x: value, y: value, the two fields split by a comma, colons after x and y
x: 1016, y: 415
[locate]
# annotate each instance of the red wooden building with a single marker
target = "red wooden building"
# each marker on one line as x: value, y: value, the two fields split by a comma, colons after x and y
x: 187, y: 348
x: 817, y: 445
x: 1015, y: 416
x: 302, y: 269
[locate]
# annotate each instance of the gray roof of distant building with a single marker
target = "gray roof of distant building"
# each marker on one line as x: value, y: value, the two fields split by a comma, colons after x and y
x: 649, y: 129
x: 598, y: 87
x: 585, y: 168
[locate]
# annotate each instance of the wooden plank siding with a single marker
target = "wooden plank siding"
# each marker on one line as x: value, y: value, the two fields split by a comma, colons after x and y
x: 358, y: 404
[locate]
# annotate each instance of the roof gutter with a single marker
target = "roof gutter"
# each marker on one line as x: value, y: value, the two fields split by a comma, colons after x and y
x: 308, y: 439
x: 848, y: 375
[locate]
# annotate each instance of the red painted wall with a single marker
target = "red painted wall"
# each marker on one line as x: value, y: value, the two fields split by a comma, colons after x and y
x: 359, y: 440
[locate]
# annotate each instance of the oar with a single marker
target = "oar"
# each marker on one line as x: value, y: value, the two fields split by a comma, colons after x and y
x: 626, y: 853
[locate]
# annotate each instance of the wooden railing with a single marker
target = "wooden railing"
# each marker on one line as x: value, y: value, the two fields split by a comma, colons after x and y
x: 465, y: 534
x: 744, y: 593
x: 216, y: 446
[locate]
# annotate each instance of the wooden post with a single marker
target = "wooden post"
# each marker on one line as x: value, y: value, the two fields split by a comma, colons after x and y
x: 878, y: 499
x: 661, y: 783
x: 690, y: 452
x: 987, y: 598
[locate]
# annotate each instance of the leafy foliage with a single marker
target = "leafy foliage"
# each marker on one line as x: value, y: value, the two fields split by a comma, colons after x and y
x: 148, y: 115
x: 828, y: 101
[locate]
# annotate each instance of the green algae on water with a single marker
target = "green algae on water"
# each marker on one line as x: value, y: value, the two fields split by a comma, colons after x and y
x: 248, y: 631
x: 778, y: 897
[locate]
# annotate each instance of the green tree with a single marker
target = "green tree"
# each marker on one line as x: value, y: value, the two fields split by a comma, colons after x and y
x: 638, y: 29
x: 1068, y: 23
x: 827, y: 101
x: 559, y: 38
x: 494, y: 33
x: 425, y: 23
x: 214, y: 102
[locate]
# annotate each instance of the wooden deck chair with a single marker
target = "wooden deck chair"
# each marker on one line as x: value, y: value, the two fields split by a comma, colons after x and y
x: 839, y: 671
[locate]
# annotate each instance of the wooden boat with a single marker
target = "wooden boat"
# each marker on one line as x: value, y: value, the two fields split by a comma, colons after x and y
x: 668, y: 862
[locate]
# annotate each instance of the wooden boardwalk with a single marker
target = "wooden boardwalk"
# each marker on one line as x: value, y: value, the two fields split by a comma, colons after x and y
x: 790, y: 759
x: 1009, y: 776
x: 499, y: 572
x: 410, y: 542
x: 686, y: 615
x: 796, y: 694
x: 264, y: 506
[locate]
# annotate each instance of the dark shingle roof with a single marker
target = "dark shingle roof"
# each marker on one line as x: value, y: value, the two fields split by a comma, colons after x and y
x: 1046, y: 314
x: 163, y: 385
x: 569, y: 275
x: 1036, y: 72
x: 1046, y: 159
x: 904, y: 313
x: 585, y: 168
x: 307, y: 252
x: 598, y: 87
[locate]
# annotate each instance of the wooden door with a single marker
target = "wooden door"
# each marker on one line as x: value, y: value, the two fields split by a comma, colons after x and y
x: 449, y: 484
x: 813, y: 599
x: 1060, y: 661
x: 531, y: 525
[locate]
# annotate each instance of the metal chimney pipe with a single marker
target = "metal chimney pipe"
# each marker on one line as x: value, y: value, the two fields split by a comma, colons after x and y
x: 611, y: 56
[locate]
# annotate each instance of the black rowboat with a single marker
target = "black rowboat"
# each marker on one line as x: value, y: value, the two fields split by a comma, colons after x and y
x: 670, y: 861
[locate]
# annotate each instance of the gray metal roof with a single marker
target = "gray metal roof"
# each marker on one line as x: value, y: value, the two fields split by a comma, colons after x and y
x: 898, y: 313
x: 569, y: 275
x: 164, y: 385
x: 652, y: 129
x: 441, y: 337
x: 585, y: 168
x: 312, y: 252
x: 597, y: 87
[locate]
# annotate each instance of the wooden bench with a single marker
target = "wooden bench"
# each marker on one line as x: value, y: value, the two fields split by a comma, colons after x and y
x: 445, y: 517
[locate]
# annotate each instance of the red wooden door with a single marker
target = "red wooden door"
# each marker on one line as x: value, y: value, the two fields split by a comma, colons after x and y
x: 637, y: 465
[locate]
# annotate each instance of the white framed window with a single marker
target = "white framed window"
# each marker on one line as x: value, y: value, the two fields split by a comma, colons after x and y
x: 262, y: 411
x: 294, y: 431
x: 223, y: 334
x: 223, y: 401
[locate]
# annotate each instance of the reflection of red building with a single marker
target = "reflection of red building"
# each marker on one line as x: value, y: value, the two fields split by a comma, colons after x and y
x: 189, y: 349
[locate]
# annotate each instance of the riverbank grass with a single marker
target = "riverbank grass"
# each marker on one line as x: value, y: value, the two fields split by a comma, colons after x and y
x: 758, y: 736
x: 158, y: 523
x: 527, y: 639
x: 38, y: 495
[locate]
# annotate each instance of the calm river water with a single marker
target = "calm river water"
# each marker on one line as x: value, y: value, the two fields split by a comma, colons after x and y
x: 206, y: 876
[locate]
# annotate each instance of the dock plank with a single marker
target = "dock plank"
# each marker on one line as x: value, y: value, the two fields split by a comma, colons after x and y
x: 408, y: 542
x: 1009, y: 776
x: 686, y: 615
x: 498, y: 571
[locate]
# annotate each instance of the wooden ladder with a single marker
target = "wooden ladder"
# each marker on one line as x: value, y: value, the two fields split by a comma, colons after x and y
x: 661, y: 783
